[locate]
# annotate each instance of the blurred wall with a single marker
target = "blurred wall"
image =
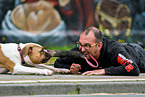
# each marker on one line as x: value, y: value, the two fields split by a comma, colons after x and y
x: 59, y: 22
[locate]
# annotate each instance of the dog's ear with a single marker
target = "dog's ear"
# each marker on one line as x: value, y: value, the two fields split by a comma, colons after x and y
x: 30, y: 50
x: 26, y: 50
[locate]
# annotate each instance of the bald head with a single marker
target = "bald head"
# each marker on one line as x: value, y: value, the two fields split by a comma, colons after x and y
x: 97, y: 33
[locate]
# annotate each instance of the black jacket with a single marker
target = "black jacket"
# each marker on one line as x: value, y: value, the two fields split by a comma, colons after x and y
x: 115, y: 58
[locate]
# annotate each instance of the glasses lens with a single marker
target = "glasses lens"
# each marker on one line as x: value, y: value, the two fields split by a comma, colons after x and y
x: 78, y: 45
x: 87, y: 46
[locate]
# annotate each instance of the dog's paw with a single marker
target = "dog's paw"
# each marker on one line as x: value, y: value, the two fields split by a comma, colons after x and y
x: 46, y: 72
x: 64, y: 71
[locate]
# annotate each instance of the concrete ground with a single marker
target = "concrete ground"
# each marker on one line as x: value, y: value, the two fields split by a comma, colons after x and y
x: 69, y: 85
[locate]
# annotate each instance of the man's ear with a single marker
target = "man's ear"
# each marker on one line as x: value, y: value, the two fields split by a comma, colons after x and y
x: 100, y: 44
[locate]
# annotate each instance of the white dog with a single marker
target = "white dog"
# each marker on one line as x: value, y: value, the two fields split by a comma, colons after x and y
x: 13, y: 55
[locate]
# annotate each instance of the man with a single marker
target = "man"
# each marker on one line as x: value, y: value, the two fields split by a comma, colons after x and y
x: 113, y: 58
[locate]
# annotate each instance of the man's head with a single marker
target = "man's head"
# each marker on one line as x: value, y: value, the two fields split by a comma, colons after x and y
x: 91, y: 41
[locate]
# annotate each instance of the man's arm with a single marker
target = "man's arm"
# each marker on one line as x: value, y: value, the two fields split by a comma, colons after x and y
x: 63, y: 63
x: 66, y: 62
x: 128, y: 69
x: 125, y: 65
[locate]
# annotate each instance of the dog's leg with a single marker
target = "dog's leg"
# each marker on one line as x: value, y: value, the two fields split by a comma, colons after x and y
x: 3, y: 70
x: 58, y: 70
x: 19, y: 69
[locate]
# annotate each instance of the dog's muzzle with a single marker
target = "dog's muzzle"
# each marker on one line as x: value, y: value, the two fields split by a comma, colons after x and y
x: 47, y: 56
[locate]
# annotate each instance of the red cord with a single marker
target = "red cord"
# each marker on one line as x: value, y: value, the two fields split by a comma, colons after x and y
x: 90, y: 62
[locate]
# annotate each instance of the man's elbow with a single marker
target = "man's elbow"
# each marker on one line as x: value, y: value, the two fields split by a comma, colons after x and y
x: 136, y: 73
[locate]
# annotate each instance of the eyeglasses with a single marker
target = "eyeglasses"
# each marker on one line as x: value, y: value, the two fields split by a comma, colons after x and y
x: 86, y: 46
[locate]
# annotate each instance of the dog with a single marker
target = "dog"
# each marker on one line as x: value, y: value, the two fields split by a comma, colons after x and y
x: 36, y: 17
x: 28, y: 58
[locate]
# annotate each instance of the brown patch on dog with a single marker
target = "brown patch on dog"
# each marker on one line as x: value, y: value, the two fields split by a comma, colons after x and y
x: 6, y: 62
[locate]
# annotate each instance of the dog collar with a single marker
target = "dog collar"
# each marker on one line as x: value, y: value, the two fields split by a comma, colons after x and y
x: 22, y: 58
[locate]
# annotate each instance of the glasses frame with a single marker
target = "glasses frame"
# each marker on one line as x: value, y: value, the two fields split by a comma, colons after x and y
x: 79, y: 44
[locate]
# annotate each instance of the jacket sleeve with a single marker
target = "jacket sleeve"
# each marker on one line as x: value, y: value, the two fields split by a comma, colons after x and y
x: 125, y: 64
x: 65, y: 62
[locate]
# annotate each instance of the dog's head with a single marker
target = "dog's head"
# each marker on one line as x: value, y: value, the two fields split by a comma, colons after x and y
x: 35, y: 54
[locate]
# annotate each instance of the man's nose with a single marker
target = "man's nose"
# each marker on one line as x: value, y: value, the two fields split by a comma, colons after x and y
x: 82, y: 49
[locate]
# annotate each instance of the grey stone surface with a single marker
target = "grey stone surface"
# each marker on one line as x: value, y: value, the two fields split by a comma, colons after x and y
x: 13, y: 85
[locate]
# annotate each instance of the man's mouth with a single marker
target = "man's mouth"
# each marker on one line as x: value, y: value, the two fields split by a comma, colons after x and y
x: 87, y: 55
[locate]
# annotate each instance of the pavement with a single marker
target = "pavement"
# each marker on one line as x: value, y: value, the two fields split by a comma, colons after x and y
x: 69, y: 85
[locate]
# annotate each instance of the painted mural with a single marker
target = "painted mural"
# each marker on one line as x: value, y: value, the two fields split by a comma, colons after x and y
x: 59, y: 22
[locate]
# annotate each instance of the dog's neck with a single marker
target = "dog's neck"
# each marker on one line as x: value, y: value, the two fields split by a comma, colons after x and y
x: 28, y: 61
x: 22, y: 45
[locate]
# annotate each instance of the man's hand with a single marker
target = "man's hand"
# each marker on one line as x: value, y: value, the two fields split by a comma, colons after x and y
x: 95, y: 72
x: 75, y: 68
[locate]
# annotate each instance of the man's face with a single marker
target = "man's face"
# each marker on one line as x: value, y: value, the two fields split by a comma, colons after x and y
x: 88, y: 40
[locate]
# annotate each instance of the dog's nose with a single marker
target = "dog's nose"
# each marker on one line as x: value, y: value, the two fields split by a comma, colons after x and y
x: 48, y: 51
